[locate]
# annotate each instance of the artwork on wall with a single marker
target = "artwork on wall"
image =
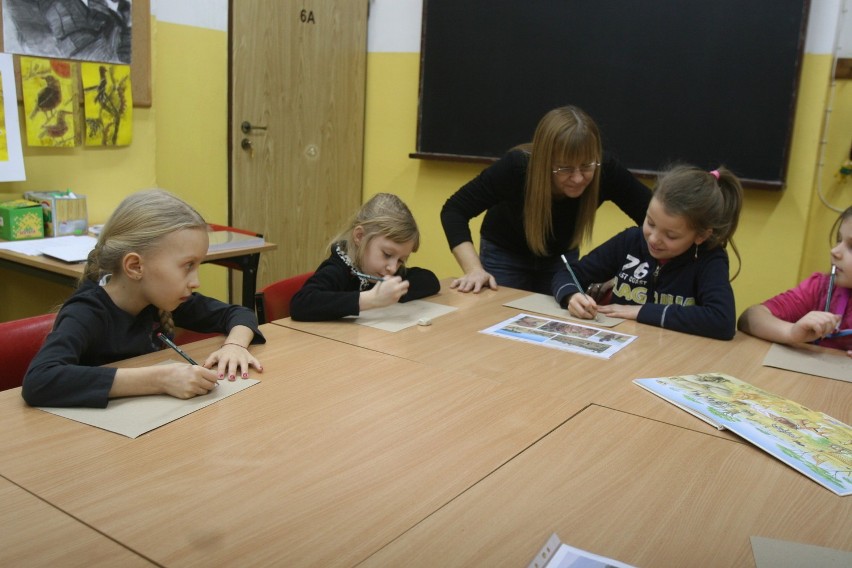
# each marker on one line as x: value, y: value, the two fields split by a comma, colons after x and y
x: 49, y: 89
x: 108, y: 104
x: 12, y: 159
x: 96, y: 30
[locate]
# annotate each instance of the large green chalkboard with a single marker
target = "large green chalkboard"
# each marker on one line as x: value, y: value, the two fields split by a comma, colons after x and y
x: 698, y: 81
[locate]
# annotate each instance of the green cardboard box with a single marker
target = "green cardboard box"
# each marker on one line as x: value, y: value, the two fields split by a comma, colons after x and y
x: 21, y: 219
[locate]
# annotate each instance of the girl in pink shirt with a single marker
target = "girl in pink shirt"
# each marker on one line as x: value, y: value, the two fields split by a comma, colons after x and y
x: 800, y: 315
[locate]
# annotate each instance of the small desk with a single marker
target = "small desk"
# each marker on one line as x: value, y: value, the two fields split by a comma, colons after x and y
x: 246, y: 259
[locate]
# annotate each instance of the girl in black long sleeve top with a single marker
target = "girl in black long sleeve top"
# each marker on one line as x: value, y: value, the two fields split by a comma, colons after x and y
x: 366, y: 268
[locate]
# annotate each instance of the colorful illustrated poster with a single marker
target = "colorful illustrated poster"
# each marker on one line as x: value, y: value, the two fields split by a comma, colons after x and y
x: 558, y: 334
x: 49, y: 91
x: 12, y: 160
x: 108, y: 104
x: 810, y: 442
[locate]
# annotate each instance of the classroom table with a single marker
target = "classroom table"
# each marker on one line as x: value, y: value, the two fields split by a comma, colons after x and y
x: 246, y: 259
x: 336, y: 452
x: 35, y: 533
x: 453, y: 341
x: 632, y: 489
x: 435, y: 446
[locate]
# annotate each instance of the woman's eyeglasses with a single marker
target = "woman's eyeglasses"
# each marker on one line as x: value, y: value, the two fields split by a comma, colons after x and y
x: 568, y: 171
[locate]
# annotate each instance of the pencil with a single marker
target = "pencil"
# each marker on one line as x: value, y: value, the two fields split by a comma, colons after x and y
x: 170, y: 343
x: 573, y: 276
x: 368, y: 276
x: 830, y: 288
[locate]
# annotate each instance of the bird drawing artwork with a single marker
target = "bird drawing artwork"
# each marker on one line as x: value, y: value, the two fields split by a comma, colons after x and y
x: 48, y: 98
x: 108, y: 104
x: 58, y: 129
x: 48, y: 87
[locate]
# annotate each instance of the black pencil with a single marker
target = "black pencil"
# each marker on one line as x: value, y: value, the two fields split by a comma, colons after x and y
x: 368, y: 276
x: 830, y: 288
x: 171, y: 344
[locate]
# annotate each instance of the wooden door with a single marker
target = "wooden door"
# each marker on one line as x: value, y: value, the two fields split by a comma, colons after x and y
x: 297, y: 76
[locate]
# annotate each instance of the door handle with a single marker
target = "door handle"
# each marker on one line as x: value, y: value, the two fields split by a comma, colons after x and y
x: 247, y: 127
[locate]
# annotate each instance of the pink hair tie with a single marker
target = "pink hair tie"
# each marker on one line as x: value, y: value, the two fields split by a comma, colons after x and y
x: 715, y: 173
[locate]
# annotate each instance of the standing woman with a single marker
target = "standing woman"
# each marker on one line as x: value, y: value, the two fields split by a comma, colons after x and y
x: 540, y: 201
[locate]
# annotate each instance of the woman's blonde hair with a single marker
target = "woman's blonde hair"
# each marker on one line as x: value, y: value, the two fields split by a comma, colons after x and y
x: 136, y: 225
x: 566, y: 135
x: 383, y: 214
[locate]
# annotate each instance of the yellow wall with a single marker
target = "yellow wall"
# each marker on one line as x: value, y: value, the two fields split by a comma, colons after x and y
x: 178, y: 144
x: 834, y: 188
x: 181, y: 144
x: 773, y: 236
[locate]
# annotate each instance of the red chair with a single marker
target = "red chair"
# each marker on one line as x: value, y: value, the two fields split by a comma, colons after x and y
x: 273, y: 301
x: 184, y: 336
x: 21, y: 341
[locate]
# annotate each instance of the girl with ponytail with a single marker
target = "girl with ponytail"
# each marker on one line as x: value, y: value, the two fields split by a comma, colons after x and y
x: 139, y: 282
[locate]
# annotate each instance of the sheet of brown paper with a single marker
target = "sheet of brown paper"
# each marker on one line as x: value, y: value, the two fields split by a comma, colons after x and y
x: 133, y: 416
x: 832, y: 364
x: 397, y: 317
x: 772, y: 553
x: 543, y: 304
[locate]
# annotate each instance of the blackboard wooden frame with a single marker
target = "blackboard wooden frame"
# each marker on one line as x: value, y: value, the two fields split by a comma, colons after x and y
x: 668, y: 81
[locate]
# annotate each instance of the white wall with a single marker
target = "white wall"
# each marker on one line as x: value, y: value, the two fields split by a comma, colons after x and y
x: 211, y: 14
x: 394, y: 25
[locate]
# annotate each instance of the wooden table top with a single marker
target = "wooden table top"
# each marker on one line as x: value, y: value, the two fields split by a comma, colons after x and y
x: 75, y: 269
x: 334, y: 454
x: 453, y: 342
x: 632, y: 489
x: 435, y: 446
x: 36, y: 533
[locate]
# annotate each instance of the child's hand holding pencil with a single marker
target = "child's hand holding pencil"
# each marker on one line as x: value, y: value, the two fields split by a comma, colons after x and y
x: 581, y: 305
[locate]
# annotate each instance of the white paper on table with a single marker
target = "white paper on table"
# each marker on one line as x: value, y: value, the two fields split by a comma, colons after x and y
x: 72, y: 248
x: 397, y: 317
x: 557, y: 554
x: 69, y: 246
x: 29, y: 248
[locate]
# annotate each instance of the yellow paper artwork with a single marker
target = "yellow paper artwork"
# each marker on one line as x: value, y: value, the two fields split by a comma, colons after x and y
x: 49, y: 87
x: 108, y: 104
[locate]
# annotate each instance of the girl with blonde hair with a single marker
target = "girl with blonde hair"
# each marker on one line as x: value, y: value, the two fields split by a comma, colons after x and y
x: 139, y: 281
x: 367, y: 265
